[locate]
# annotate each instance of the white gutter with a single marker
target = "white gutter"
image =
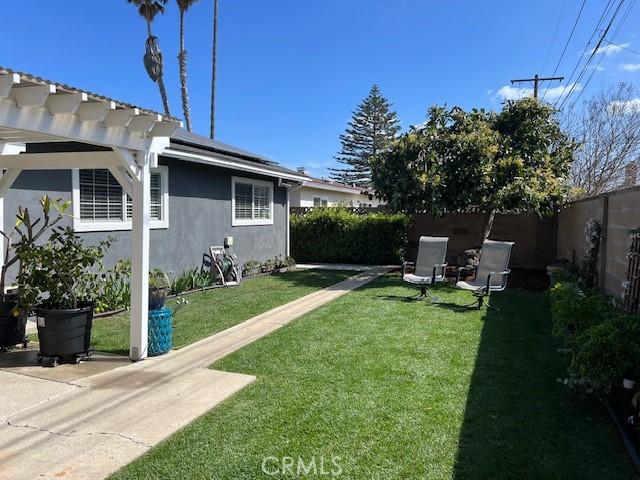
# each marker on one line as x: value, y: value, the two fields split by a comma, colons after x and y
x: 225, y: 163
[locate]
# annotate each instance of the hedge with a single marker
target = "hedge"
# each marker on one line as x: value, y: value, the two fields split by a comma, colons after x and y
x: 335, y: 235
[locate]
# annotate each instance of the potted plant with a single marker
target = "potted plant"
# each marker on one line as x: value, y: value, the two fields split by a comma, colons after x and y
x: 159, y: 286
x: 252, y: 267
x: 60, y: 280
x: 267, y: 266
x: 280, y: 264
x: 13, y: 321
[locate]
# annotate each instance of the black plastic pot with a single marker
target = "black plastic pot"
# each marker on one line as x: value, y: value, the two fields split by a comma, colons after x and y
x: 157, y: 297
x: 12, y: 327
x: 64, y: 333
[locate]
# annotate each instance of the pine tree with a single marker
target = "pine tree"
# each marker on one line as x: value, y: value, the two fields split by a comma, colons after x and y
x: 370, y: 131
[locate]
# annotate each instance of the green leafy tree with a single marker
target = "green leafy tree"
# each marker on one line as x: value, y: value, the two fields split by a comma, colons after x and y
x: 183, y: 7
x: 370, y: 132
x: 514, y: 161
x: 153, y: 63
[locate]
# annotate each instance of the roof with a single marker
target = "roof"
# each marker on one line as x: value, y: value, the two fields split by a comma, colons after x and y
x: 197, y: 148
x: 335, y: 186
x: 64, y: 88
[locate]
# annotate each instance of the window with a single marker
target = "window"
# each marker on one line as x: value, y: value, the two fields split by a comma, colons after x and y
x: 252, y: 202
x: 320, y: 202
x: 100, y: 203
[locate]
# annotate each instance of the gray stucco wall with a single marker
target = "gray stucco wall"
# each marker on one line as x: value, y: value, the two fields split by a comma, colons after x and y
x: 199, y: 216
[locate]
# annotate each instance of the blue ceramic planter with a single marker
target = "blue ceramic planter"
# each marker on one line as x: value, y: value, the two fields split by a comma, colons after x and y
x: 160, y: 331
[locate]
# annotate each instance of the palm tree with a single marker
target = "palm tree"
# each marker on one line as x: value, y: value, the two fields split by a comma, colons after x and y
x: 183, y: 6
x: 148, y: 9
x: 213, y: 69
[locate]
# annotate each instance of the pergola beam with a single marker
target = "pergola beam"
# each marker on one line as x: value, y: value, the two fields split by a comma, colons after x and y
x: 120, y: 118
x: 95, y: 111
x: 33, y: 95
x: 59, y: 160
x: 123, y: 178
x: 7, y: 81
x: 65, y: 103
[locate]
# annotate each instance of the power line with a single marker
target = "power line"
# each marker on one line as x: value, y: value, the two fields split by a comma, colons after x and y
x: 622, y: 47
x: 566, y: 45
x: 575, y: 68
x: 555, y: 34
x: 593, y: 53
x: 615, y: 33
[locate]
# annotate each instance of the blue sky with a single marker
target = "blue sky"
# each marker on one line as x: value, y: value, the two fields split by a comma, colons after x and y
x: 290, y: 72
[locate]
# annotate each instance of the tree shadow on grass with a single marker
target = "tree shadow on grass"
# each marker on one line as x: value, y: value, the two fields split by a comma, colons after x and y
x: 519, y: 421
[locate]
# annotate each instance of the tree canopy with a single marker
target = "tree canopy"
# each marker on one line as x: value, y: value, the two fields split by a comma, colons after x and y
x: 371, y: 130
x: 517, y: 160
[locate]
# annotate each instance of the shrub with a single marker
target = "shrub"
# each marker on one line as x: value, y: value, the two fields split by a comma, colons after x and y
x: 608, y: 352
x: 335, y: 235
x: 191, y: 279
x: 573, y: 310
x: 116, y: 288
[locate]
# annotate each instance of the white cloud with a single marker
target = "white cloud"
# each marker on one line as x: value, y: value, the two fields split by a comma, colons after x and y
x: 509, y: 92
x: 610, y: 49
x: 627, y: 106
x: 630, y: 67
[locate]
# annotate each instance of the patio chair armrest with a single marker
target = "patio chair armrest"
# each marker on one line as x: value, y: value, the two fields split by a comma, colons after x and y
x: 505, y: 273
x: 442, y: 266
x: 404, y: 268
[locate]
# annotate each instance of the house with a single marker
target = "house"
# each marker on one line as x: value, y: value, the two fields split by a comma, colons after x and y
x: 316, y: 192
x: 202, y: 191
x: 165, y: 195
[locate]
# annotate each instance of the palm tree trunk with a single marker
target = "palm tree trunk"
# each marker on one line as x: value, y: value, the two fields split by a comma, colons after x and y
x: 182, y: 64
x: 213, y: 69
x: 163, y: 94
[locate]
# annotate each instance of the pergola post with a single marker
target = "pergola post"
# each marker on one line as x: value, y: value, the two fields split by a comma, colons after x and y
x: 141, y: 200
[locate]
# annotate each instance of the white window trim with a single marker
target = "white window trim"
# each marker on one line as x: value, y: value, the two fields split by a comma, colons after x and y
x: 322, y: 199
x: 239, y: 222
x: 113, y: 226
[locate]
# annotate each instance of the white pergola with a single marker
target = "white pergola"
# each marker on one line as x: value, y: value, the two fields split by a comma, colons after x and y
x: 33, y: 110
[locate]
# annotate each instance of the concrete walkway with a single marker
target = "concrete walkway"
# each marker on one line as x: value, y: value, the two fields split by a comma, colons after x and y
x: 91, y: 427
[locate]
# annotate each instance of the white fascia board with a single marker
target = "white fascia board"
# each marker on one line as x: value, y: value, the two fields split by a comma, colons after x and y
x: 333, y: 188
x: 225, y: 163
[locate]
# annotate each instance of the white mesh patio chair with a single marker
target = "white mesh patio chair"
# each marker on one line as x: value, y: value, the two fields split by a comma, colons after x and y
x: 429, y: 265
x: 492, y: 272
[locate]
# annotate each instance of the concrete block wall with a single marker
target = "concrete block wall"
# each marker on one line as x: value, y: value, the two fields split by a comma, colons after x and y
x: 618, y: 212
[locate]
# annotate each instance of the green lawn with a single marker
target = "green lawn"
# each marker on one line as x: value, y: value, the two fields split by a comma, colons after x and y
x: 400, y: 390
x: 214, y: 310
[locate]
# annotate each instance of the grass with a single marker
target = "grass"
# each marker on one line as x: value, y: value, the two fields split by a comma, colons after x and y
x: 391, y: 389
x: 212, y: 311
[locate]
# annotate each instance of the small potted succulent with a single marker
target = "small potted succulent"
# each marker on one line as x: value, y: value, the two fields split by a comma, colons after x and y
x: 280, y: 264
x: 159, y: 286
x: 59, y: 280
x: 267, y: 266
x: 252, y: 267
x: 13, y: 321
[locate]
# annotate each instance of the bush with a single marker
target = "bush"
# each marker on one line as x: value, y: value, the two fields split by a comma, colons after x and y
x: 192, y: 279
x: 608, y: 352
x: 116, y: 288
x: 335, y: 235
x: 573, y: 310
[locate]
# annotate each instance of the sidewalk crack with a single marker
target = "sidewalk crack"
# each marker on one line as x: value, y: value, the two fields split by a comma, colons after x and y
x: 50, y: 432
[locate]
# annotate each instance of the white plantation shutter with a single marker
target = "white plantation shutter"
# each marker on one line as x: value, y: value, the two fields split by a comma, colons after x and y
x: 156, y: 198
x: 244, y: 201
x: 100, y: 196
x: 261, y: 202
x: 252, y: 202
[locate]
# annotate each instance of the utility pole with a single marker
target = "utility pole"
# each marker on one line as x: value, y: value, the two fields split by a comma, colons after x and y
x: 536, y: 80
